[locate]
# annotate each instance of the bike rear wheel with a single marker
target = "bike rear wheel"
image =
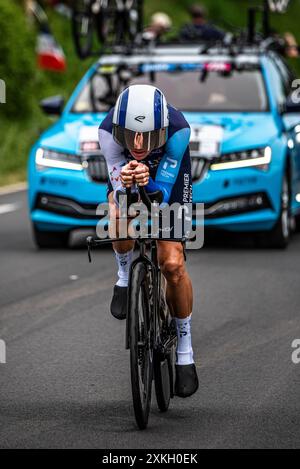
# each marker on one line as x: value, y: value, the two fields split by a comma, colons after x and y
x: 141, y: 348
x: 83, y: 27
x: 106, y: 23
x: 164, y: 362
x: 162, y: 383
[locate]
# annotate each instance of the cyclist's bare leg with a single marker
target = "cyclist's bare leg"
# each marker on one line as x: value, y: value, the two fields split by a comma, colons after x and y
x: 180, y: 300
x: 122, y: 246
x: 179, y: 285
x: 123, y: 253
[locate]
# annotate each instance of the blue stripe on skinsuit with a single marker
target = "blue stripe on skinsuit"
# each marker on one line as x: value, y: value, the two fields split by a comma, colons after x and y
x: 176, y: 121
x: 169, y: 165
x: 157, y: 109
x: 123, y: 108
x: 164, y: 187
x: 107, y: 124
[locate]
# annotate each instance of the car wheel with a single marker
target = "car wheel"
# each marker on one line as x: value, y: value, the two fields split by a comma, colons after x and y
x: 50, y: 239
x: 297, y: 223
x: 279, y: 236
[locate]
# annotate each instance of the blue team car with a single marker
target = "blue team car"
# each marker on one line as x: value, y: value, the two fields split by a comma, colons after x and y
x: 245, y: 141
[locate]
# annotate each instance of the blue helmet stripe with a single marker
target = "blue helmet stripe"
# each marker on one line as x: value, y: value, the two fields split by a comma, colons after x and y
x: 118, y: 111
x: 123, y: 108
x: 157, y: 109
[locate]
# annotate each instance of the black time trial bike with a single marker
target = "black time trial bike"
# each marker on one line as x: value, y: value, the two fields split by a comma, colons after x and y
x: 150, y: 330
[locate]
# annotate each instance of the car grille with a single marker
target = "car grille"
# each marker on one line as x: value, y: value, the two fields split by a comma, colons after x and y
x: 200, y: 167
x: 96, y: 168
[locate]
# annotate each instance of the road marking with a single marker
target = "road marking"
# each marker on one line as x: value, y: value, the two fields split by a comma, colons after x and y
x: 2, y: 351
x: 74, y: 277
x: 7, y: 208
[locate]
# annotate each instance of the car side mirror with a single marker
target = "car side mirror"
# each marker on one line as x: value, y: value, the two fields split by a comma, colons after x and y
x: 53, y: 105
x: 291, y: 106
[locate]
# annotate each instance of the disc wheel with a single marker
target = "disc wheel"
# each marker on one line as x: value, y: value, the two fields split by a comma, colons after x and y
x: 164, y: 363
x: 162, y: 382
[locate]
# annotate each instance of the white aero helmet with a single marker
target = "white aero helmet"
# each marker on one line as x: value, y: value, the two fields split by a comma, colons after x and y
x: 141, y: 118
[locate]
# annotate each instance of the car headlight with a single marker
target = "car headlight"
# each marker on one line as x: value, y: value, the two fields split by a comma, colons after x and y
x: 259, y: 157
x: 56, y: 159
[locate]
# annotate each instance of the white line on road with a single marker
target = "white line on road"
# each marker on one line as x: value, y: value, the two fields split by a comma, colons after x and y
x: 6, y: 208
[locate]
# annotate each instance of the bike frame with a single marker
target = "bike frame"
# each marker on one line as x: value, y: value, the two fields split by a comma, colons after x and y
x: 152, y: 266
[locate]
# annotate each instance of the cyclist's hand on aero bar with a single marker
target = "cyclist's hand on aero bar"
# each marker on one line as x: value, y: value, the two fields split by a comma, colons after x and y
x: 141, y: 174
x: 134, y: 172
x: 127, y: 174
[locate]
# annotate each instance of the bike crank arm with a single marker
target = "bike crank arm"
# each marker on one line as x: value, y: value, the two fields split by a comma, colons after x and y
x: 168, y: 344
x: 164, y: 348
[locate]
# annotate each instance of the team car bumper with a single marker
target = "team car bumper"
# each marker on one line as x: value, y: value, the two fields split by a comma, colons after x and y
x: 242, y: 213
x: 248, y: 199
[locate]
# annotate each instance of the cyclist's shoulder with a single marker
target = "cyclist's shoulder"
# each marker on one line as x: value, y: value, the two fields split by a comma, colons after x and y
x: 107, y: 123
x: 177, y: 120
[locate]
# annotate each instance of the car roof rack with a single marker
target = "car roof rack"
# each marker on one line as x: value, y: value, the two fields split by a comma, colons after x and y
x: 247, y: 42
x: 232, y: 48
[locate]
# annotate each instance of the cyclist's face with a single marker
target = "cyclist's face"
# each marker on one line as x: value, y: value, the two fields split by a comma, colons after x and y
x: 138, y: 151
x: 139, y: 154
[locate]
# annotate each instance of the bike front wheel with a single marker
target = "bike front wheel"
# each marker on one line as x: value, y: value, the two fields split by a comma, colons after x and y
x: 141, y: 349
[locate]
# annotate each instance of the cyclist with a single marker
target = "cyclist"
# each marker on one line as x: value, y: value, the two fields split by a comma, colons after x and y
x: 146, y: 141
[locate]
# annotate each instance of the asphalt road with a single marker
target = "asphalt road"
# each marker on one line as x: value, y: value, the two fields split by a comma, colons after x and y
x: 66, y: 381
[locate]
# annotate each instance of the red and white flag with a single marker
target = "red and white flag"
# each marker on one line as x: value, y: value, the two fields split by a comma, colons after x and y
x: 49, y: 54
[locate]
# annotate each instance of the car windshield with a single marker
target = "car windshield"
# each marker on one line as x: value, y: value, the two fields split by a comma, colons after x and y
x: 198, y: 90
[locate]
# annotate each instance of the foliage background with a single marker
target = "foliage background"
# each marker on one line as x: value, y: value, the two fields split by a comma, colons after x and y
x: 21, y: 120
